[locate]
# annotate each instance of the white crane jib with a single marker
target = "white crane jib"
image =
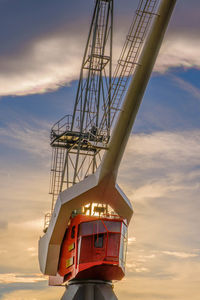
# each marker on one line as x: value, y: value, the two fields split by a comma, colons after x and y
x: 101, y: 186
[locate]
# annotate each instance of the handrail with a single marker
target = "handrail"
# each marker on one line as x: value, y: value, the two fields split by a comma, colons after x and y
x: 128, y: 59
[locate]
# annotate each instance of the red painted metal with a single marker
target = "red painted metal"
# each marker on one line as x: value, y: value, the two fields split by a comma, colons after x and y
x: 93, y: 248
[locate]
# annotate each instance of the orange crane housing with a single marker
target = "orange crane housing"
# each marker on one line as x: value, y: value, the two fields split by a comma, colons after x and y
x: 94, y: 248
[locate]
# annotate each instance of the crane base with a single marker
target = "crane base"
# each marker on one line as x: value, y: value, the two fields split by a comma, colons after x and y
x: 89, y: 290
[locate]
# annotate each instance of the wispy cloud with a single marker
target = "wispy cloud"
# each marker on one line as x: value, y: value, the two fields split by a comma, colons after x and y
x: 158, y: 167
x: 23, y: 136
x: 163, y: 149
x: 35, y: 224
x: 8, y: 278
x: 179, y: 50
x: 141, y: 270
x: 43, y: 68
x: 160, y: 174
x: 51, y: 62
x: 131, y: 240
x: 180, y: 254
x: 34, y: 294
x: 187, y: 86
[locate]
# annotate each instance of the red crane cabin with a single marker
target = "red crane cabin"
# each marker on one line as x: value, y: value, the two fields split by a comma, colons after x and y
x: 94, y: 248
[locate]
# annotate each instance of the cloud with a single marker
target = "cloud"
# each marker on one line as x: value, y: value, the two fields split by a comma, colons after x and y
x: 141, y: 270
x: 186, y: 86
x: 8, y: 278
x: 166, y: 219
x: 35, y: 294
x: 32, y: 250
x: 53, y: 62
x: 131, y: 240
x: 43, y: 68
x: 3, y: 225
x: 179, y: 50
x: 180, y: 254
x: 23, y: 202
x: 32, y: 139
x: 160, y: 174
x: 163, y: 150
x: 19, y: 252
x: 34, y: 224
x: 49, y: 60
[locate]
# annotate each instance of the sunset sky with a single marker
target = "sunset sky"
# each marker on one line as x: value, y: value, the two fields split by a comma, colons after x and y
x: 42, y: 44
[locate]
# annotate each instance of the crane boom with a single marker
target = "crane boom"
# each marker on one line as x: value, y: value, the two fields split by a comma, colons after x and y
x: 124, y: 124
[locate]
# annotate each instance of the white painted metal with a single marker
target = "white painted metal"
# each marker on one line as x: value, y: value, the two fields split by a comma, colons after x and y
x: 124, y: 124
x: 87, y: 191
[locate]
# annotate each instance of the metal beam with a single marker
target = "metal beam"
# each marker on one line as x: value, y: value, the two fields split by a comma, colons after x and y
x: 112, y: 158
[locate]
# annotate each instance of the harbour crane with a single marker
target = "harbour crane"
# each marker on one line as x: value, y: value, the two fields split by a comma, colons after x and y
x: 85, y: 233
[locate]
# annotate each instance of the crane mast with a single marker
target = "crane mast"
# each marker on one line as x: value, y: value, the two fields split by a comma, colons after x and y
x: 77, y: 247
x: 79, y: 140
x: 75, y: 139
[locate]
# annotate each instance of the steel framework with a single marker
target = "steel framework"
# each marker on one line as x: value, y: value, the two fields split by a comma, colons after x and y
x: 79, y: 140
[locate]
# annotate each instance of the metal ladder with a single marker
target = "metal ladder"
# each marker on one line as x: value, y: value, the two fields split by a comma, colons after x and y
x: 129, y: 56
x: 58, y: 158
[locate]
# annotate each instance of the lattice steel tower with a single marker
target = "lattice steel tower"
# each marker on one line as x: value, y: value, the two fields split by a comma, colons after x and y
x: 75, y: 139
x: 79, y: 140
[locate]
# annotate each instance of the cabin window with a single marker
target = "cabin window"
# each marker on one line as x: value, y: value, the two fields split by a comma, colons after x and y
x: 123, y: 246
x: 113, y: 226
x: 73, y: 232
x: 89, y: 228
x: 113, y: 244
x: 99, y: 227
x: 85, y: 229
x: 98, y: 240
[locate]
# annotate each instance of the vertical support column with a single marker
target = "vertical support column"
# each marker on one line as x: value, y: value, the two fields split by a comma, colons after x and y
x: 89, y: 290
